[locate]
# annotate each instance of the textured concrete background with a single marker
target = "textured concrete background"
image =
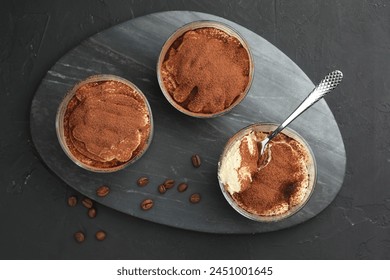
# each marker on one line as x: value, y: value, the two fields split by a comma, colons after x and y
x: 319, y: 36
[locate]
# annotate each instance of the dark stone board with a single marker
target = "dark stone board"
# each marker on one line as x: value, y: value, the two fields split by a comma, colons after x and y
x: 131, y: 50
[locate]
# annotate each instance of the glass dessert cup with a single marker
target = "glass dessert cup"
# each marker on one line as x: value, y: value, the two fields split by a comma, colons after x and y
x: 177, y: 35
x: 60, y: 123
x: 310, y: 165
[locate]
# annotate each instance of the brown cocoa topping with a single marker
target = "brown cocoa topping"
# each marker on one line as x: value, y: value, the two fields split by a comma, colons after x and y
x: 206, y: 70
x: 278, y: 182
x: 106, y: 124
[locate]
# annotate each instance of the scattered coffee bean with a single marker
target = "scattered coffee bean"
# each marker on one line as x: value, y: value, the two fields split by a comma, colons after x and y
x: 146, y: 204
x: 87, y: 202
x: 72, y: 200
x: 182, y: 187
x: 143, y: 181
x: 169, y: 183
x: 102, y: 191
x: 92, y: 213
x: 100, y: 235
x: 195, y: 198
x: 195, y: 159
x: 79, y: 236
x: 162, y: 189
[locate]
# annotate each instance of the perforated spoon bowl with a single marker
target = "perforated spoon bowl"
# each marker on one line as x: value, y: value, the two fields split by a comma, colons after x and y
x: 329, y: 83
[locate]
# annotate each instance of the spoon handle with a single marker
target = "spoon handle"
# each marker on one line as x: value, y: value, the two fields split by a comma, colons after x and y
x: 329, y: 83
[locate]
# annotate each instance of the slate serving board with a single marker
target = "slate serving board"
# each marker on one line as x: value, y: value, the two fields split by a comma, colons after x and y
x: 131, y: 50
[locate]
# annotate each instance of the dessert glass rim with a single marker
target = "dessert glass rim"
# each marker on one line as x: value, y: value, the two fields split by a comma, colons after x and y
x: 193, y: 26
x: 59, y: 121
x: 312, y: 168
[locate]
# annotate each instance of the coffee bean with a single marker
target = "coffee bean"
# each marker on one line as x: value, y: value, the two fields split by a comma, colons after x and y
x: 79, y: 236
x: 169, y: 183
x: 100, y: 235
x: 92, y: 213
x: 143, y: 181
x: 87, y: 202
x: 195, y: 159
x: 182, y: 187
x: 195, y: 198
x: 102, y: 191
x: 146, y: 204
x: 72, y: 200
x: 162, y: 189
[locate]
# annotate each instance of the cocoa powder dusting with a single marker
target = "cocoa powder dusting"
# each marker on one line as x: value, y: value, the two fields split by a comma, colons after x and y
x: 278, y: 182
x: 206, y: 70
x: 106, y: 124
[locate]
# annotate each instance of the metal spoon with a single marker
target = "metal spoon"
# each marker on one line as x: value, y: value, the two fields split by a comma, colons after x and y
x: 329, y: 83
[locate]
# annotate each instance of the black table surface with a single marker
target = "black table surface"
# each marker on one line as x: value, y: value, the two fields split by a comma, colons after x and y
x: 319, y: 36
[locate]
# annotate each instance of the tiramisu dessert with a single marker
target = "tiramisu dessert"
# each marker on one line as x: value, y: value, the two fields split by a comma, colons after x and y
x: 106, y: 124
x: 270, y: 184
x: 206, y: 70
